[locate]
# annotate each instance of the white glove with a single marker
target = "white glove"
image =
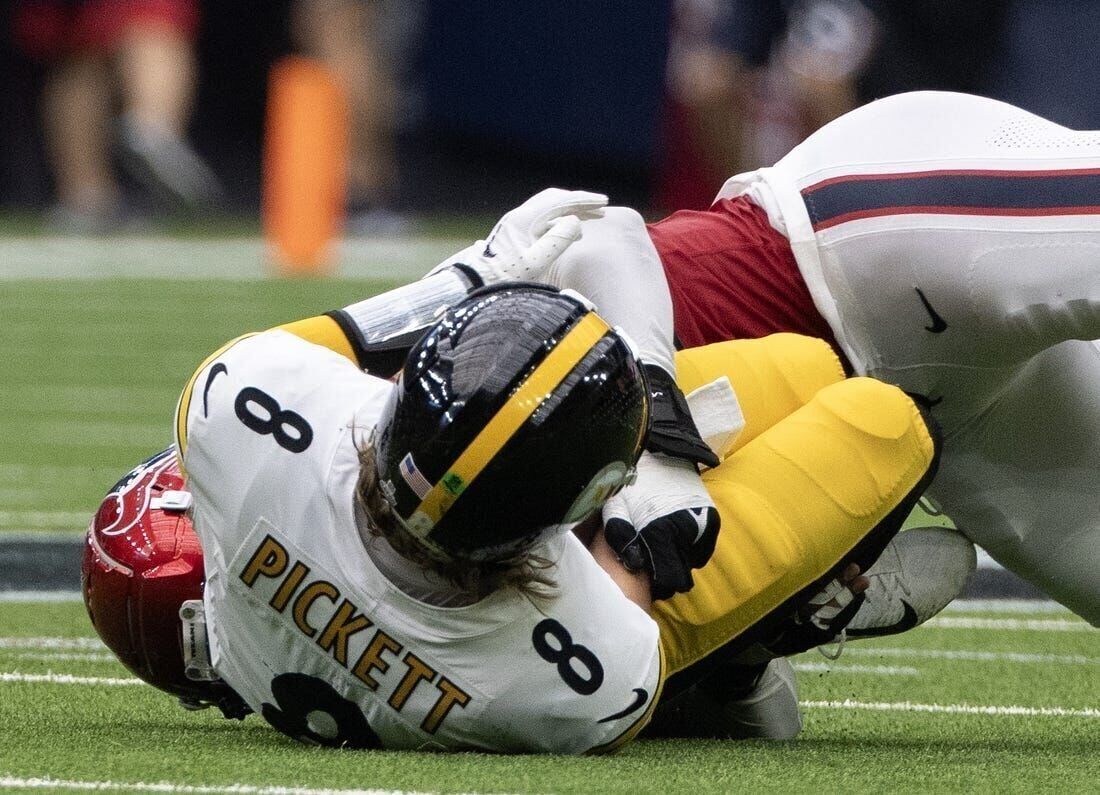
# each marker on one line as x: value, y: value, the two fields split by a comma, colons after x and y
x: 527, y: 240
x: 665, y: 523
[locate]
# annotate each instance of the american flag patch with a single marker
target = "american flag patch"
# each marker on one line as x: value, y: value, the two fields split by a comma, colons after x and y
x: 411, y: 475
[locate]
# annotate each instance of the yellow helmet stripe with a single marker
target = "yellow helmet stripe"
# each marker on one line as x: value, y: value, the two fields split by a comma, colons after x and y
x: 519, y: 407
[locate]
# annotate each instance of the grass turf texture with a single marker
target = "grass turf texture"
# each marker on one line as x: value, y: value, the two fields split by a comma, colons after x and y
x: 98, y: 733
x: 92, y: 374
x: 93, y: 370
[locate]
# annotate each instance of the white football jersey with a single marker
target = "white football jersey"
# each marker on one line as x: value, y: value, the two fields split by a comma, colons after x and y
x: 312, y: 636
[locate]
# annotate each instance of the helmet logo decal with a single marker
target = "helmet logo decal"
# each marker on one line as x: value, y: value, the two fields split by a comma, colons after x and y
x: 140, y: 480
x: 531, y: 394
x: 414, y: 477
x: 453, y: 483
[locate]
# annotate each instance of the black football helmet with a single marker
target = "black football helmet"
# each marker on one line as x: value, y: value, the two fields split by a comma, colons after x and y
x: 519, y: 412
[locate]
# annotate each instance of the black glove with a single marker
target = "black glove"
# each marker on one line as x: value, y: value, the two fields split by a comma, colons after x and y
x: 665, y: 523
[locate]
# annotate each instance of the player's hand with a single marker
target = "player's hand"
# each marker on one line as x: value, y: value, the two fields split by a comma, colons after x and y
x: 822, y: 618
x: 664, y: 524
x: 527, y: 240
x: 825, y: 607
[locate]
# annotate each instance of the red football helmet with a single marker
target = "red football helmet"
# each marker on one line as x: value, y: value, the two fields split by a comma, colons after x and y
x: 142, y: 579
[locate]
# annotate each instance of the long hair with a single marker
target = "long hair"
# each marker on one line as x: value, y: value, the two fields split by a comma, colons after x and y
x: 529, y: 574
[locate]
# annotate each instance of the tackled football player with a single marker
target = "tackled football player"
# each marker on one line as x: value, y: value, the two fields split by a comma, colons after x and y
x: 388, y: 565
x: 947, y: 244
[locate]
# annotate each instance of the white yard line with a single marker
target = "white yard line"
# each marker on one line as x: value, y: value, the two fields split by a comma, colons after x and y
x: 52, y: 656
x: 878, y: 670
x: 41, y: 596
x: 955, y: 709
x: 1006, y: 606
x: 16, y: 782
x: 970, y: 654
x: 1032, y: 625
x: 63, y: 644
x: 67, y: 679
x: 873, y: 706
x: 89, y: 644
x: 157, y: 257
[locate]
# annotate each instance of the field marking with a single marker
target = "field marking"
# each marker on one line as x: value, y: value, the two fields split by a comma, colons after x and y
x: 1032, y: 625
x: 15, y: 782
x: 880, y: 670
x: 1006, y: 606
x: 89, y: 644
x: 41, y: 596
x: 51, y: 656
x: 955, y: 709
x: 63, y: 644
x: 980, y: 656
x: 161, y: 257
x: 67, y: 679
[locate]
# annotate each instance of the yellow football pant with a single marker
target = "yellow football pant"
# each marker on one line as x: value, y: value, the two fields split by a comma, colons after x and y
x: 821, y: 461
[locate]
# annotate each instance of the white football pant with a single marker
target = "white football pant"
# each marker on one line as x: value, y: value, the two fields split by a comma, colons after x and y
x: 953, y: 244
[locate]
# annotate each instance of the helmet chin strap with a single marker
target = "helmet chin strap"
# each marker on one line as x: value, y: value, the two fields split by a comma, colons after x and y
x: 196, y: 644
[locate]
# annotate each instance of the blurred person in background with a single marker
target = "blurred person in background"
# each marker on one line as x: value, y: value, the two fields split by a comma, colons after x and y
x: 105, y: 56
x: 363, y: 43
x: 749, y: 79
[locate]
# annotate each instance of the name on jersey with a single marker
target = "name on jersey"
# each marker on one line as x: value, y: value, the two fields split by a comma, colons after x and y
x: 297, y: 593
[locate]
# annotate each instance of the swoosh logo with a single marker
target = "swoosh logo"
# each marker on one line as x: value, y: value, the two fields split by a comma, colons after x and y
x: 215, y: 371
x: 908, y: 621
x: 939, y: 325
x: 641, y: 696
x: 700, y: 515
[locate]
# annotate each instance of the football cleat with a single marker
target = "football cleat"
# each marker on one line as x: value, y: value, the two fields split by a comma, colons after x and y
x: 918, y: 574
x: 736, y: 702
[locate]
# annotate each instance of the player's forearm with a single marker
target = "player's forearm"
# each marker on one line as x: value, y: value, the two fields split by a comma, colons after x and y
x: 616, y: 266
x: 636, y: 586
x: 377, y: 332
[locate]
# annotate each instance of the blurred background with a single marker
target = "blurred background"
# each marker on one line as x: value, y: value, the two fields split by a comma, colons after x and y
x: 161, y: 159
x: 124, y: 114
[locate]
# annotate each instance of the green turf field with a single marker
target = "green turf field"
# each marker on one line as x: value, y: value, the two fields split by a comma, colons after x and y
x: 69, y: 713
x: 93, y: 366
x: 93, y: 369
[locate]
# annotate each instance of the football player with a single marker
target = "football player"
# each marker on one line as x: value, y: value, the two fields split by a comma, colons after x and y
x: 386, y: 565
x: 947, y: 244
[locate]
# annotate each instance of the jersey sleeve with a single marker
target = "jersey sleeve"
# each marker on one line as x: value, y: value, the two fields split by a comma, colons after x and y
x: 616, y: 266
x: 377, y: 332
x: 329, y: 331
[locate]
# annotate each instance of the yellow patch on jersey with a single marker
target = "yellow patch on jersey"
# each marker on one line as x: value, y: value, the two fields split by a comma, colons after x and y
x: 324, y: 331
